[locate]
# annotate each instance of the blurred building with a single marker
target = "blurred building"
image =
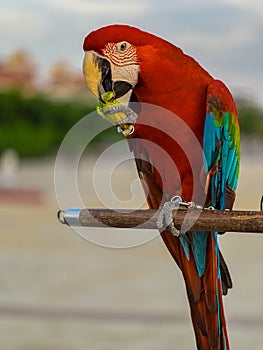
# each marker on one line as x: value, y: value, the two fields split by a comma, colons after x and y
x: 18, y: 71
x: 64, y: 82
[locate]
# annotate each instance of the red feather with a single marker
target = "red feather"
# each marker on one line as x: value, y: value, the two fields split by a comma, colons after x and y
x: 173, y: 80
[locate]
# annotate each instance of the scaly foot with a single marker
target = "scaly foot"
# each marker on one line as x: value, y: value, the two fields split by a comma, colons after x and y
x: 165, y: 218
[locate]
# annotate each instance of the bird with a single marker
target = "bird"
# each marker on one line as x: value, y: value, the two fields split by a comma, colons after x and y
x: 186, y: 142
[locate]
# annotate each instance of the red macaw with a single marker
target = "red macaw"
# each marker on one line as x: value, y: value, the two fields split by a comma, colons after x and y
x: 122, y: 60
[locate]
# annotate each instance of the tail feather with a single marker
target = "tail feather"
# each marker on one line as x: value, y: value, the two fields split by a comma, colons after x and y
x: 225, y: 275
x: 223, y: 322
x: 210, y: 276
x: 211, y: 322
x: 204, y: 293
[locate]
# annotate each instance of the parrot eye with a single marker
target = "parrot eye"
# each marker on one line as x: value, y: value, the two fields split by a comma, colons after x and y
x: 122, y: 46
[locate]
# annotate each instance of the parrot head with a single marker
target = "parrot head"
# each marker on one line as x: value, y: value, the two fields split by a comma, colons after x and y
x: 135, y: 66
x: 127, y: 61
x: 111, y: 69
x: 111, y: 61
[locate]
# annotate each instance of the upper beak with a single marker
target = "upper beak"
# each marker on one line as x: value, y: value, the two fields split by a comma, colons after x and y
x: 98, y: 75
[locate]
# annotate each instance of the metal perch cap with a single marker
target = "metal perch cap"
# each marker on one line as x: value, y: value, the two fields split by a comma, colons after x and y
x: 69, y: 217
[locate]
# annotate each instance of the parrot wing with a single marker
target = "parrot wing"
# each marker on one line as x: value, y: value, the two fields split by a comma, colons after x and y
x: 221, y: 152
x: 221, y: 146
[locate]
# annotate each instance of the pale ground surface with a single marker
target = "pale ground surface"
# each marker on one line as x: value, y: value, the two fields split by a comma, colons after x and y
x: 59, y: 291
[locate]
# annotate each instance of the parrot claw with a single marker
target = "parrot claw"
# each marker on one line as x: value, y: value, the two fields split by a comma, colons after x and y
x: 165, y: 217
x: 131, y: 116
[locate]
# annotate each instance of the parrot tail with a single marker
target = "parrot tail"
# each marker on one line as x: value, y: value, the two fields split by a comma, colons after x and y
x: 204, y: 292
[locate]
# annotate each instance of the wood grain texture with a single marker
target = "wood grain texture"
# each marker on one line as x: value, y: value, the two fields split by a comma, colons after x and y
x: 196, y: 220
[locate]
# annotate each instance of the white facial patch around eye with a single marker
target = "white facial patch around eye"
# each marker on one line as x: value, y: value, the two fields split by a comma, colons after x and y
x: 121, y: 58
x: 126, y: 73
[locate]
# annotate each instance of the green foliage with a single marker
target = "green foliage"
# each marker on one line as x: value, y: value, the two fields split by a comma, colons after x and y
x: 36, y: 125
x: 250, y: 118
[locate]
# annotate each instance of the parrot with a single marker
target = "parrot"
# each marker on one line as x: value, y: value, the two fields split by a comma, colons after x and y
x: 167, y: 89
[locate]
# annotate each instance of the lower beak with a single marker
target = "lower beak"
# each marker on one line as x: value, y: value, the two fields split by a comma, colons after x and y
x: 98, y: 76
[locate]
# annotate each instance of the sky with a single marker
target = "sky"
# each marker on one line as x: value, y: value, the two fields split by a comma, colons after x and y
x: 224, y: 36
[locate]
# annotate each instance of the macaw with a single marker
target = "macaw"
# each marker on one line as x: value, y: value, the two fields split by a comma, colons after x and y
x: 148, y: 70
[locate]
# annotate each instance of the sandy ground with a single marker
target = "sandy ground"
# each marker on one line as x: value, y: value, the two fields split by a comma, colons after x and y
x: 60, y: 291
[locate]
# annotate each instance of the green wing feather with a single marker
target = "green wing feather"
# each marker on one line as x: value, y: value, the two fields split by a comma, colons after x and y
x: 221, y: 143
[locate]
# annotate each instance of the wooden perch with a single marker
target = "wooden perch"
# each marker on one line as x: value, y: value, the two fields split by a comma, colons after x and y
x: 194, y: 219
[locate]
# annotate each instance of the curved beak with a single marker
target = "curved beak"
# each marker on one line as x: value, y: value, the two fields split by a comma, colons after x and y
x: 98, y: 76
x: 97, y: 73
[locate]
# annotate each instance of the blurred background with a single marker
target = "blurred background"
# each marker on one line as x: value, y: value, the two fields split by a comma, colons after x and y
x: 59, y: 291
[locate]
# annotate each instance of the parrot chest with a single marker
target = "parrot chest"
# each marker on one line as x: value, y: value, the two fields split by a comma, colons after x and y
x: 173, y: 150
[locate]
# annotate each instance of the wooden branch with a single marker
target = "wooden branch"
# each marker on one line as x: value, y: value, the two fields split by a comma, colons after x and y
x: 196, y: 220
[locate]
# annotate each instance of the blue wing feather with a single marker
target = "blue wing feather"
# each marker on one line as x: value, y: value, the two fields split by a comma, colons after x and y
x: 199, y: 247
x: 224, y: 150
x: 221, y: 153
